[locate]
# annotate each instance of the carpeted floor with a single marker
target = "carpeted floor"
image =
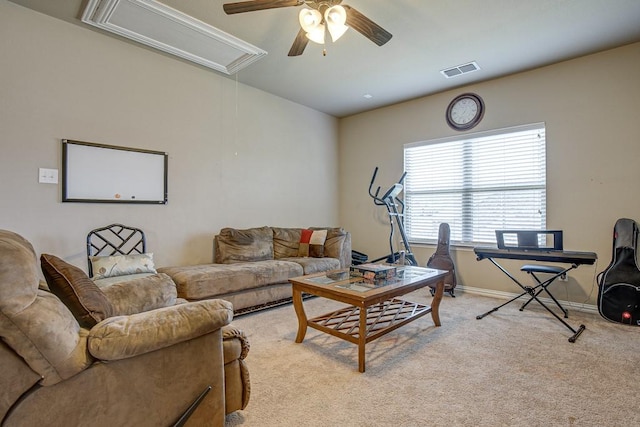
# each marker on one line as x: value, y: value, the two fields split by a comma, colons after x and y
x: 511, y: 368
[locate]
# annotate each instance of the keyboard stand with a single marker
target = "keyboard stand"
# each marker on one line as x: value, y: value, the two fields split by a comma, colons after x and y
x: 576, y: 258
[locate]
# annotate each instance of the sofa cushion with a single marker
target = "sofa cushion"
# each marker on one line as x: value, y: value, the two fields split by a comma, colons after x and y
x: 86, y: 301
x: 312, y: 243
x: 140, y: 294
x: 121, y: 265
x: 315, y: 265
x: 253, y: 244
x: 286, y: 242
x: 197, y: 282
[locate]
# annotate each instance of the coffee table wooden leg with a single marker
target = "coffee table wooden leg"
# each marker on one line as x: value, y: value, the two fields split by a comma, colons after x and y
x: 435, y: 303
x: 302, y: 316
x: 362, y: 338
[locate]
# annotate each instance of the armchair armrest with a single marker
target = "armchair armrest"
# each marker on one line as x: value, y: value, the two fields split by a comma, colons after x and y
x: 122, y: 337
x: 141, y: 294
x: 229, y: 332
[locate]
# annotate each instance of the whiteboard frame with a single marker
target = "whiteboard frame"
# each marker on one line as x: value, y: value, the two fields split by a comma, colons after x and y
x: 100, y: 173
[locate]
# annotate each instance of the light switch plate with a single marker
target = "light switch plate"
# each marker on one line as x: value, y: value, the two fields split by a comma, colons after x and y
x: 48, y: 176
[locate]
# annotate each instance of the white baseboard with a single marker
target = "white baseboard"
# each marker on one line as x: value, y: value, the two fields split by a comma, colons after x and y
x: 587, y: 308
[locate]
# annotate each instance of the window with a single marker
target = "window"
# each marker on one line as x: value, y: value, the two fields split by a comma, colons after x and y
x: 478, y: 183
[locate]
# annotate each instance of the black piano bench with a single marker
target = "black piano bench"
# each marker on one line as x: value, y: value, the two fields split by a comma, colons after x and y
x: 542, y: 286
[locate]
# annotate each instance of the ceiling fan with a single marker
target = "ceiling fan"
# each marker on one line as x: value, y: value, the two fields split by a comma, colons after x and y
x: 318, y: 15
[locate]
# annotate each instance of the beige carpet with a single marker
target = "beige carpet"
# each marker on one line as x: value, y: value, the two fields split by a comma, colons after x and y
x: 511, y: 368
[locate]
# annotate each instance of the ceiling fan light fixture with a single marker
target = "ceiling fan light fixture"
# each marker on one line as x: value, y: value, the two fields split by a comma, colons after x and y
x: 311, y: 22
x: 315, y: 19
x: 337, y: 31
x: 317, y: 34
x: 336, y: 17
x: 310, y: 19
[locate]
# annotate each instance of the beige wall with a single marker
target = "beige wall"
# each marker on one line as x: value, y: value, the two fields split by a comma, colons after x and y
x: 258, y: 167
x: 590, y: 107
x: 262, y: 166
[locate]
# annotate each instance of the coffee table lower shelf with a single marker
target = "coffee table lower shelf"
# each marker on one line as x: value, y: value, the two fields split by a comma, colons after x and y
x: 376, y: 321
x: 381, y: 319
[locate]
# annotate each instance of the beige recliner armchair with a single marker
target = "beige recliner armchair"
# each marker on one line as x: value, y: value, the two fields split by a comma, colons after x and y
x: 133, y: 368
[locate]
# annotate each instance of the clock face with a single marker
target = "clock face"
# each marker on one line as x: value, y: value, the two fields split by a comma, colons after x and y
x: 465, y: 111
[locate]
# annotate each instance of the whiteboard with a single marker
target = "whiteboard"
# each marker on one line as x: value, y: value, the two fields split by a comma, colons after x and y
x: 98, y: 173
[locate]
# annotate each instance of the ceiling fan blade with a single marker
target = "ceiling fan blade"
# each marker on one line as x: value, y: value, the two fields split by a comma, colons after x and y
x: 250, y: 6
x: 367, y: 27
x: 297, y: 48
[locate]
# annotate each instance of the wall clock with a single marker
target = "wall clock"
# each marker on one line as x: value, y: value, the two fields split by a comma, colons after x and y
x: 465, y: 111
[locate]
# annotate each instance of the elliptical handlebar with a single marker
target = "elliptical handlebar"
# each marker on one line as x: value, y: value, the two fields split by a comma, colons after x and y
x: 391, y: 201
x: 390, y: 195
x: 375, y: 197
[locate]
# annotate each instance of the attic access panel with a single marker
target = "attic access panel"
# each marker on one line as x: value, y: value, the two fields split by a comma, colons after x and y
x: 98, y: 173
x: 162, y: 27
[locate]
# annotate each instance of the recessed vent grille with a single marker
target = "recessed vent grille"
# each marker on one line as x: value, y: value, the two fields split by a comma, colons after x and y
x: 460, y: 70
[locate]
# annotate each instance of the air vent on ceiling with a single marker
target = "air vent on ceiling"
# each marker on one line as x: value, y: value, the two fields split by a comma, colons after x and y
x: 460, y: 70
x: 169, y: 30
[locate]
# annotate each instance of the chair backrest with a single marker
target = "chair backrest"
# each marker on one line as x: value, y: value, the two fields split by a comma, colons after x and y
x: 35, y: 323
x: 114, y: 239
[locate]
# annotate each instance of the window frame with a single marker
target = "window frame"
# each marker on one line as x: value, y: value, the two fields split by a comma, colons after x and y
x: 464, y: 192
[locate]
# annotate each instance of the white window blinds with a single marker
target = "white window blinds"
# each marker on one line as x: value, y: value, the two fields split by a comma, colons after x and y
x: 476, y: 183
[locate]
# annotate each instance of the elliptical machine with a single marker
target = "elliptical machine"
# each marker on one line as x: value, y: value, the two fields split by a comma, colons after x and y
x: 395, y: 210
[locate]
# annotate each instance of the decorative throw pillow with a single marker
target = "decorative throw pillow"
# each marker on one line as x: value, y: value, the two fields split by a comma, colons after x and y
x: 121, y: 265
x: 74, y: 288
x: 312, y: 243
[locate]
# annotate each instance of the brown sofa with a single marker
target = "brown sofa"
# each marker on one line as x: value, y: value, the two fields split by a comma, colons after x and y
x: 124, y: 365
x: 252, y: 267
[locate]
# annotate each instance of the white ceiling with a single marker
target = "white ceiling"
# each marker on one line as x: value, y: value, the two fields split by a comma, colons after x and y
x: 502, y: 36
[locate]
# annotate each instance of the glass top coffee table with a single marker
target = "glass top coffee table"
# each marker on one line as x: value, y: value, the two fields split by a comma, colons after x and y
x: 374, y: 308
